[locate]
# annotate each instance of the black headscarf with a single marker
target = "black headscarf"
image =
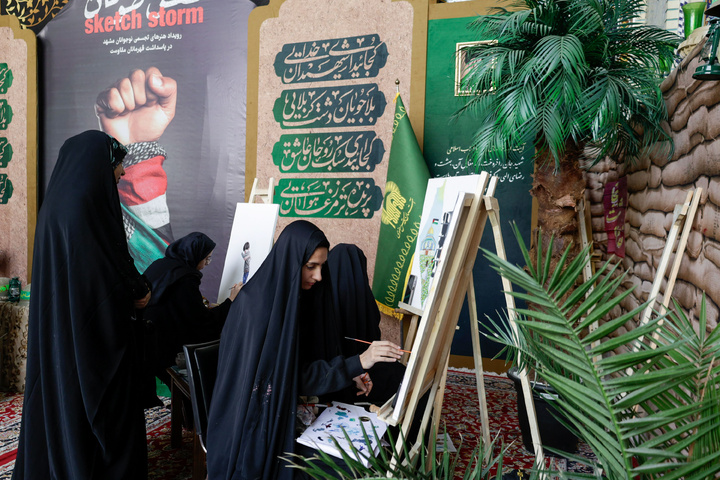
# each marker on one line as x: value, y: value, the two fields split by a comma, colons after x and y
x: 252, y: 412
x: 181, y: 258
x: 356, y: 311
x: 82, y: 417
x: 118, y: 152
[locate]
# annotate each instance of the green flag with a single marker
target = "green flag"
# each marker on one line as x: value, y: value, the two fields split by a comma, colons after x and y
x: 407, y: 179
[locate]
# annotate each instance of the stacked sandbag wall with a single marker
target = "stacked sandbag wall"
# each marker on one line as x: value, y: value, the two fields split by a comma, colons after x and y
x: 657, y: 183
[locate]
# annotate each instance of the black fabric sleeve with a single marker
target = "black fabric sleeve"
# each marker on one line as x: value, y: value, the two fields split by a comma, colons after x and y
x: 202, y: 324
x: 321, y: 377
x: 134, y: 281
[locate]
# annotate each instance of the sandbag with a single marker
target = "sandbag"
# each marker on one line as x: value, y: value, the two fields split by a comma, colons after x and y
x: 669, y: 82
x: 593, y: 182
x: 653, y: 223
x: 662, y: 199
x: 702, y: 273
x: 694, y: 244
x: 713, y: 190
x: 712, y: 122
x: 604, y: 165
x: 643, y: 271
x: 662, y: 152
x: 711, y: 251
x: 711, y: 314
x: 682, y: 145
x: 652, y: 245
x: 685, y: 294
x: 600, y: 238
x: 674, y: 96
x: 595, y: 196
x: 597, y: 209
x: 632, y: 282
x: 633, y: 218
x: 633, y: 250
x: 655, y: 178
x: 703, y: 160
x: 638, y: 181
x: 707, y: 221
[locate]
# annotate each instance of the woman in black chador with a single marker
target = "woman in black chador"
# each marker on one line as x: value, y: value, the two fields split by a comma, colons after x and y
x: 270, y: 354
x: 82, y: 418
x: 355, y: 315
x: 176, y: 314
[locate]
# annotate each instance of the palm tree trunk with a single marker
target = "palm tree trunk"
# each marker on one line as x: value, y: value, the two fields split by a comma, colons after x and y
x: 558, y: 193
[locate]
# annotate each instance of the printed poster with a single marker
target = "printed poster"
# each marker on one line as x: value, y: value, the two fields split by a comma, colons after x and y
x: 168, y: 79
x: 615, y: 200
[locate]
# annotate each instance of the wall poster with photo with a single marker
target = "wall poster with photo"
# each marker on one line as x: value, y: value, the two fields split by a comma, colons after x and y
x: 251, y: 239
x: 435, y: 230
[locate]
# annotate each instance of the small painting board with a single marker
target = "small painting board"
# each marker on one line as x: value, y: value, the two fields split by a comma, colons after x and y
x: 251, y: 239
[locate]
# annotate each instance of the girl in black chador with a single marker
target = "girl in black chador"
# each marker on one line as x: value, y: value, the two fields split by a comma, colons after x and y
x: 177, y: 315
x: 82, y: 418
x: 280, y: 341
x: 355, y: 314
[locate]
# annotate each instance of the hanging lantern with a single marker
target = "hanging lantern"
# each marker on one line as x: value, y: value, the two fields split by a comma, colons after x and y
x: 14, y: 290
x: 710, y: 71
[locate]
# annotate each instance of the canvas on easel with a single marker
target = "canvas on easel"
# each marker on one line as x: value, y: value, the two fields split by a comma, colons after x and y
x: 427, y: 367
x: 438, y: 207
x: 251, y: 239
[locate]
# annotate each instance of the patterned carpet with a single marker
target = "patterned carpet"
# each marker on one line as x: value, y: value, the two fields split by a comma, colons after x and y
x: 164, y: 462
x: 460, y: 415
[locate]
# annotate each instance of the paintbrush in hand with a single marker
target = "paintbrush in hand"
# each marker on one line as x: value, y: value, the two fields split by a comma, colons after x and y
x: 369, y: 343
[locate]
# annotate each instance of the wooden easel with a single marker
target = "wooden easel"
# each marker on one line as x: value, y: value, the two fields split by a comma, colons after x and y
x: 412, y: 315
x: 493, y: 209
x: 264, y: 194
x: 493, y: 213
x: 683, y: 217
x: 427, y: 369
x: 588, y: 270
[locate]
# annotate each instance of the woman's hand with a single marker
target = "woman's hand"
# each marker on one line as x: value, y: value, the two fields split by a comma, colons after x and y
x: 380, y: 351
x: 234, y: 290
x: 363, y: 384
x: 142, y: 302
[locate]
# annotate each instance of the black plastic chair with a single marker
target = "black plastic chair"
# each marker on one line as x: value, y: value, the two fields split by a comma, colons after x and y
x: 202, y: 363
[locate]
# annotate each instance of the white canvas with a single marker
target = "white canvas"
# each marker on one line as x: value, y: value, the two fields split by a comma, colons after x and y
x: 253, y: 224
x: 440, y: 197
x: 348, y: 418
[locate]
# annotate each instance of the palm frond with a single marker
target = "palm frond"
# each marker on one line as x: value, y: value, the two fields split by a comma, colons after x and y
x: 644, y: 399
x: 426, y: 465
x: 594, y: 72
